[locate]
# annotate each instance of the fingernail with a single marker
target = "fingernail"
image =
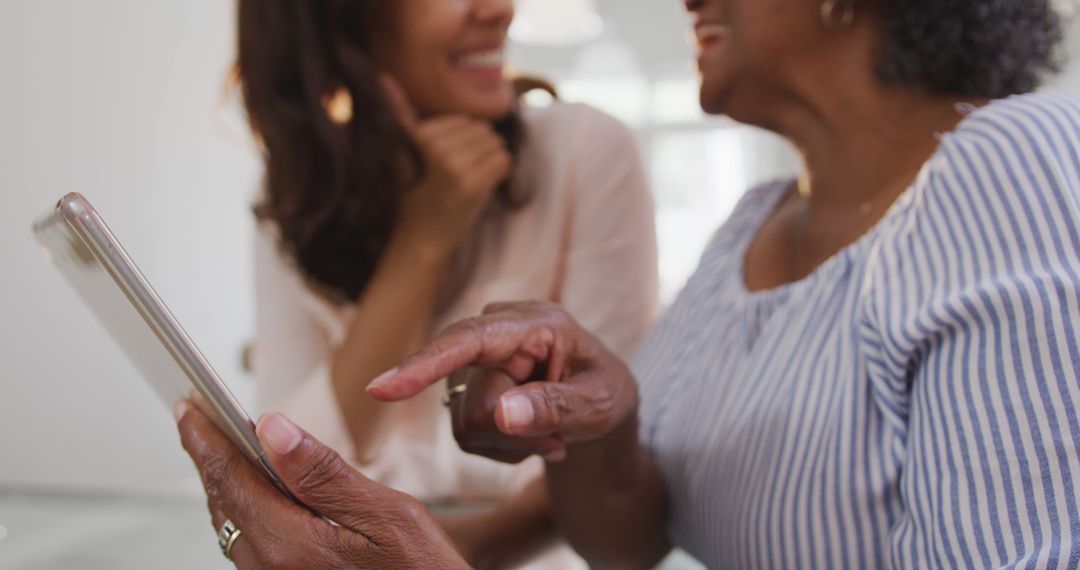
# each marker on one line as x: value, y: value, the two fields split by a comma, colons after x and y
x: 383, y: 380
x: 555, y: 456
x: 179, y: 409
x: 517, y: 410
x: 279, y: 434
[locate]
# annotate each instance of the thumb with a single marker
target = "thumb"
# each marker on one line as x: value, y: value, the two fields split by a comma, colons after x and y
x: 317, y: 475
x: 579, y: 411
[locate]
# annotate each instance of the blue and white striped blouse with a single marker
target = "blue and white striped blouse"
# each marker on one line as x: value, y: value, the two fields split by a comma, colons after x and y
x: 911, y: 404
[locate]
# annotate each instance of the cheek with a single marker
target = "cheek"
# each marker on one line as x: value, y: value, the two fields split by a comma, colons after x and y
x: 421, y: 34
x: 429, y: 34
x: 752, y: 55
x: 418, y: 63
x: 767, y: 31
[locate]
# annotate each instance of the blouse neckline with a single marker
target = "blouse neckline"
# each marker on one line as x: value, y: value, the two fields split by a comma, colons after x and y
x: 835, y: 263
x: 776, y: 193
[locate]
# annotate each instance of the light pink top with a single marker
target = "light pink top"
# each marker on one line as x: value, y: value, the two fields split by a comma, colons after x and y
x: 586, y: 240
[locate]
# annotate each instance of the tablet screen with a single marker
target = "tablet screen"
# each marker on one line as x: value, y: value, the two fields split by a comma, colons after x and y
x: 119, y: 316
x: 86, y: 252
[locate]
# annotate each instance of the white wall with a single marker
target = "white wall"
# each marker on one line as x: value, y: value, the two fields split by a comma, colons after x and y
x: 119, y: 100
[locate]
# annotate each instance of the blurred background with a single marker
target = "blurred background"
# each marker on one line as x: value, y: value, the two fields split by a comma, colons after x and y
x: 125, y: 101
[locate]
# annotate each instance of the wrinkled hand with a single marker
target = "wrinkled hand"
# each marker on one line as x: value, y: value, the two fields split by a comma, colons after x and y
x: 541, y: 382
x: 380, y: 528
x: 465, y: 162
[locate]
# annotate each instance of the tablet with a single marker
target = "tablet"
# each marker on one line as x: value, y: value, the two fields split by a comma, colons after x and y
x: 81, y: 246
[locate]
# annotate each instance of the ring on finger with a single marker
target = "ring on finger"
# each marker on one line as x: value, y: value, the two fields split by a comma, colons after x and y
x: 227, y: 535
x: 453, y: 392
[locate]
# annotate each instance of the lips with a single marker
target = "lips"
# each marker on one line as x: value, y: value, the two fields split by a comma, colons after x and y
x: 481, y: 59
x: 709, y: 35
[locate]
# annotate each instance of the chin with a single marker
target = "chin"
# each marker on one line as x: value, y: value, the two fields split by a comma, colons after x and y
x: 490, y: 107
x: 713, y: 101
x: 715, y: 90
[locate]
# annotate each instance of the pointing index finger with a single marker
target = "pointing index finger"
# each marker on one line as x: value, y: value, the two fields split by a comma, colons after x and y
x: 514, y: 345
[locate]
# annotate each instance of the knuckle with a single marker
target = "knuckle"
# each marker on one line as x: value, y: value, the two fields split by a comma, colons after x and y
x: 405, y: 516
x: 470, y: 326
x: 325, y: 537
x: 217, y: 471
x: 551, y: 406
x: 272, y: 554
x: 602, y: 407
x: 558, y: 400
x: 411, y: 511
x: 326, y: 466
x: 559, y: 317
x: 449, y: 338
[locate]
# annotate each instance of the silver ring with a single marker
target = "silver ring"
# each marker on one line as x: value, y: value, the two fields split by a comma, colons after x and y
x: 452, y: 392
x: 227, y: 535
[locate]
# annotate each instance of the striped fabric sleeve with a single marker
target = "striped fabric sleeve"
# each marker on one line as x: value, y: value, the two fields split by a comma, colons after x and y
x: 974, y: 334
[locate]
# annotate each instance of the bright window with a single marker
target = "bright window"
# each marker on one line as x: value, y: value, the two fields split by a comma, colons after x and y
x: 698, y: 166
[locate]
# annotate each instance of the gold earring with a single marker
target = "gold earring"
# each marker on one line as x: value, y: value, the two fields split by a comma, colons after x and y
x: 837, y: 14
x: 339, y: 106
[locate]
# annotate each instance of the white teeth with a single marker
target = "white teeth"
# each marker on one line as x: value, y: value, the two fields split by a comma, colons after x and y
x: 711, y: 31
x: 482, y: 59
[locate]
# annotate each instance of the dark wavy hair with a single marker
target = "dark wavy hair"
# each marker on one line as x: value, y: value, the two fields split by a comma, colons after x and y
x: 969, y: 48
x: 332, y: 189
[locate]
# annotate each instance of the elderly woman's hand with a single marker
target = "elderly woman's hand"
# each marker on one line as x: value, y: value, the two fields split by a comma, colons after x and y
x: 380, y: 528
x: 535, y: 381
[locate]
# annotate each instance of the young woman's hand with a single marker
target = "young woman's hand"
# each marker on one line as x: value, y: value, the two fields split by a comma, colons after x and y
x: 379, y: 527
x: 543, y: 382
x: 465, y: 159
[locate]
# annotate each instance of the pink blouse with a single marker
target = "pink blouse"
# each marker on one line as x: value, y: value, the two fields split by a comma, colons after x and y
x: 586, y: 240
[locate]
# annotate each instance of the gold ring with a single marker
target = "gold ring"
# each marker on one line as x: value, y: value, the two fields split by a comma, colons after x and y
x: 453, y: 391
x: 227, y: 536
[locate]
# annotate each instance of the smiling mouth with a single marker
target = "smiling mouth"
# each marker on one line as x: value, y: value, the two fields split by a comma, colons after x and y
x: 708, y: 35
x: 488, y: 59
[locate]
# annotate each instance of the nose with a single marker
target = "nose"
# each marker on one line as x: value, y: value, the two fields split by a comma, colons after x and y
x: 500, y: 12
x: 693, y: 5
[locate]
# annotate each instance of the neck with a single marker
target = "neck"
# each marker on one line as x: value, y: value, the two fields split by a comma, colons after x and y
x: 861, y: 141
x: 863, y: 149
